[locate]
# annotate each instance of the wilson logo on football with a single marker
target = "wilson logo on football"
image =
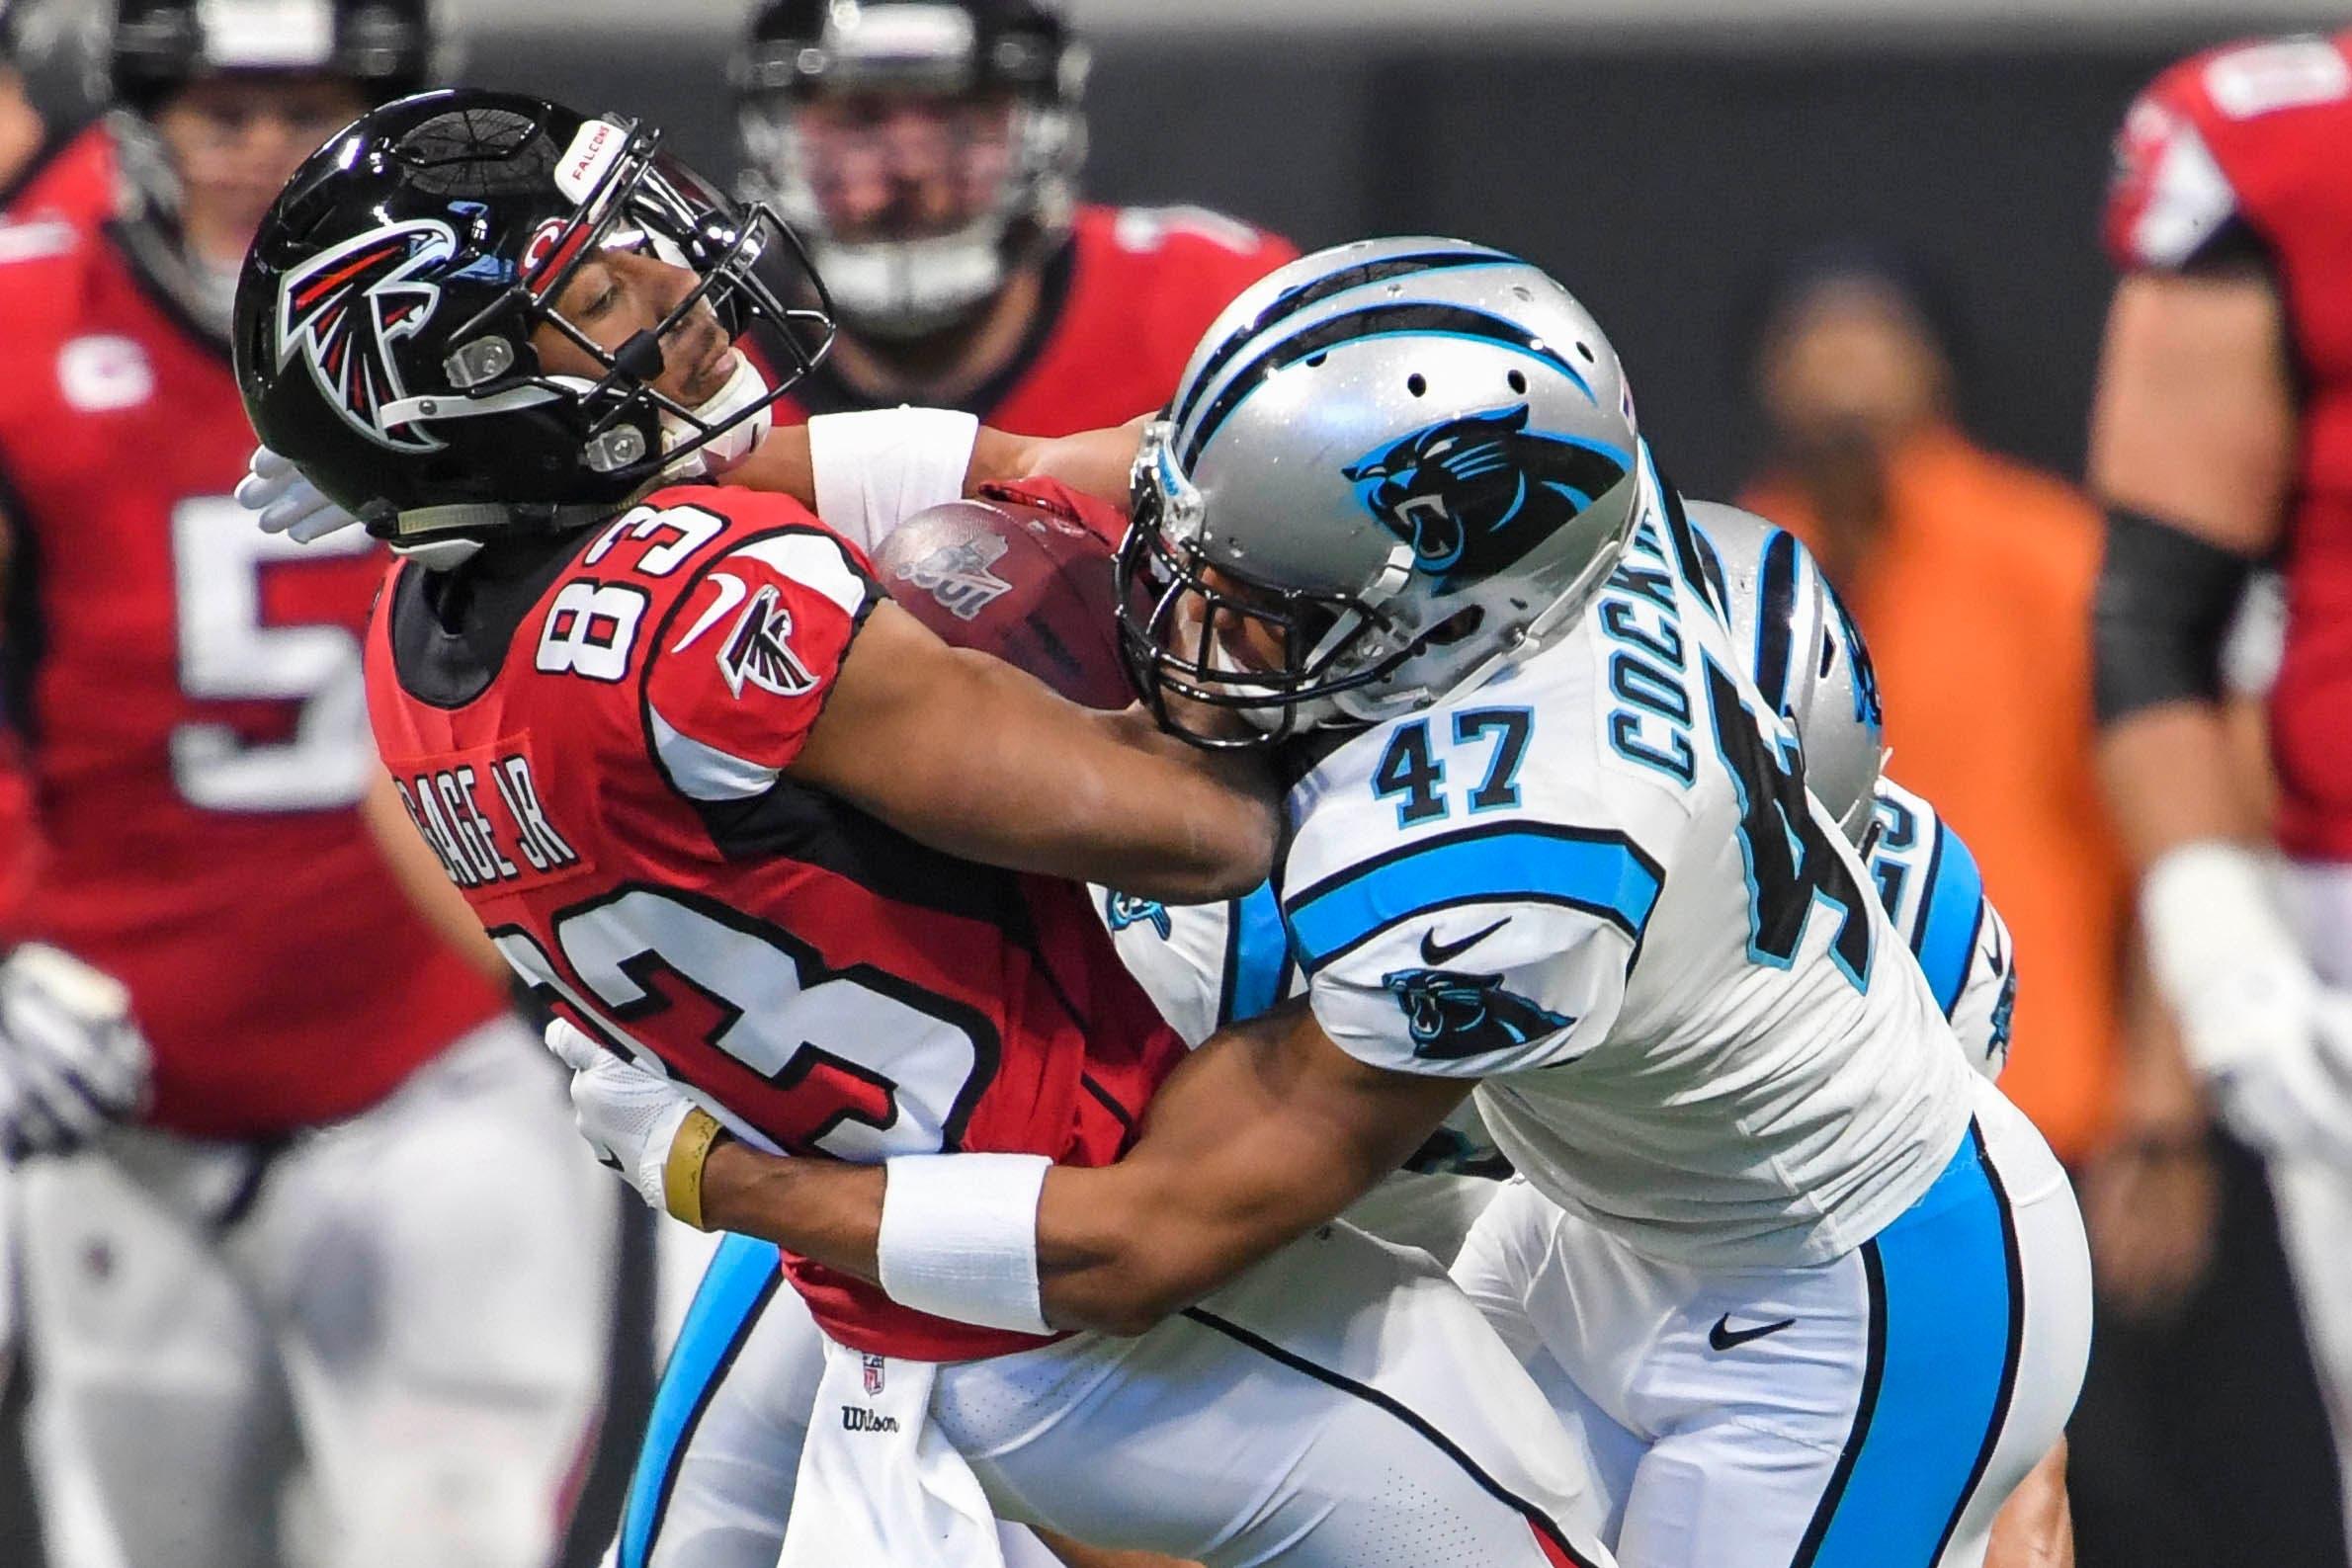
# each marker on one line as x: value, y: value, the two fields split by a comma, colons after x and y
x: 759, y: 650
x: 345, y: 308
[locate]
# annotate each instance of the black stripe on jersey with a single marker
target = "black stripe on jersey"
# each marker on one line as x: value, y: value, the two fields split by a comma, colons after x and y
x: 1692, y: 562
x: 2016, y: 1346
x: 451, y: 631
x: 1420, y: 1425
x: 1776, y: 596
x: 824, y: 390
x: 1865, y: 1405
x: 1299, y: 296
x: 24, y: 629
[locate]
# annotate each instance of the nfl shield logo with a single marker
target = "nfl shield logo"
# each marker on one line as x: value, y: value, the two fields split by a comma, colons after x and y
x: 874, y: 1375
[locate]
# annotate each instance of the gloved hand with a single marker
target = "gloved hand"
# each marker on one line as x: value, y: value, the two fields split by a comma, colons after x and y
x: 71, y: 1058
x: 629, y: 1115
x: 289, y: 503
x: 2272, y: 1042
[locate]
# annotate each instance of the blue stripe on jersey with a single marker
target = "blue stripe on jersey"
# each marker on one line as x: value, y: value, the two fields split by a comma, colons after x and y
x: 1945, y: 1327
x: 1951, y: 908
x: 742, y: 1275
x: 1257, y: 956
x: 1602, y: 873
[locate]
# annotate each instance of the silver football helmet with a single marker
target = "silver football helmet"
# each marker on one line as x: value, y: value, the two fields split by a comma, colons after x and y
x: 1392, y: 469
x: 1805, y: 656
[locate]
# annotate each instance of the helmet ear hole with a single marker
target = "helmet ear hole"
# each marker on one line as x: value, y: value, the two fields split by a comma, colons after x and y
x: 1518, y: 382
x: 1416, y: 384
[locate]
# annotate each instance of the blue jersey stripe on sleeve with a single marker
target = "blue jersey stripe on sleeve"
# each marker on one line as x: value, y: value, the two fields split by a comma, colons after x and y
x: 1602, y: 873
x: 1257, y: 957
x: 1952, y: 907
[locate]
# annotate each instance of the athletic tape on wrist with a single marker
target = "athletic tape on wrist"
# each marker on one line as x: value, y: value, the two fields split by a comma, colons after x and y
x: 874, y: 470
x: 959, y: 1237
x: 682, y: 1172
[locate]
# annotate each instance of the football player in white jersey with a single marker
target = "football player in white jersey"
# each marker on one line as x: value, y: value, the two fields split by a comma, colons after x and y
x: 1830, y: 1286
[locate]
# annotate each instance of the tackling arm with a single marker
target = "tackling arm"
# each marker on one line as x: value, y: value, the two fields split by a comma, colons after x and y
x: 1265, y: 1132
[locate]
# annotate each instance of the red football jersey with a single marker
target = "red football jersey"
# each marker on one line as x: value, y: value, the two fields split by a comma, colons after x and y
x: 2245, y: 147
x: 594, y: 737
x: 1126, y: 302
x: 190, y: 695
x: 75, y: 183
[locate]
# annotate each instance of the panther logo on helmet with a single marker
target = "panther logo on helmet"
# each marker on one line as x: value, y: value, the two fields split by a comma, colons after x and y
x: 345, y: 308
x: 1474, y: 493
x: 1454, y: 1016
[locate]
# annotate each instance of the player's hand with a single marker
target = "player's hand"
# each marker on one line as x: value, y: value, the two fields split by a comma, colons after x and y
x: 2272, y: 1042
x: 71, y: 1058
x: 629, y: 1115
x: 289, y: 503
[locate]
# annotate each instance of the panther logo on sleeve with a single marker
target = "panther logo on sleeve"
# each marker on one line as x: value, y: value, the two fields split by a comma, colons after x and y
x: 1474, y: 493
x: 1122, y: 910
x: 1455, y: 1015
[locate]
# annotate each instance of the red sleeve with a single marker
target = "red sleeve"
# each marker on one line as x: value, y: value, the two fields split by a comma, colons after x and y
x: 745, y: 664
x: 1098, y: 517
x: 2212, y: 141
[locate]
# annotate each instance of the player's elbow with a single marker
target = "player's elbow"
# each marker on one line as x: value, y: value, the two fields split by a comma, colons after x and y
x: 1127, y: 1297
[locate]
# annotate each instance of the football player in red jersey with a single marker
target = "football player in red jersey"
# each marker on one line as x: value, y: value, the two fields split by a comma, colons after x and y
x: 283, y: 1251
x: 928, y: 151
x: 707, y: 789
x: 2223, y: 440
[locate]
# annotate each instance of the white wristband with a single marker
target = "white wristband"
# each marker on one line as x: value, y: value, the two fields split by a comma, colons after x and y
x: 874, y: 470
x: 959, y: 1237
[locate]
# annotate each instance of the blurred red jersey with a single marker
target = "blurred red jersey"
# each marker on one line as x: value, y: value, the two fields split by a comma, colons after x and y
x: 74, y: 183
x: 190, y: 707
x: 2242, y: 150
x: 1125, y: 302
x: 593, y: 735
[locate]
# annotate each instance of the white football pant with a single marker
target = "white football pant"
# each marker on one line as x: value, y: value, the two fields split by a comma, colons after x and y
x: 1871, y: 1412
x: 409, y: 1311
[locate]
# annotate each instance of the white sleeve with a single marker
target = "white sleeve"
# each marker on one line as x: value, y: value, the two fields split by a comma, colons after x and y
x: 873, y: 471
x: 1982, y: 1014
x: 1485, y: 949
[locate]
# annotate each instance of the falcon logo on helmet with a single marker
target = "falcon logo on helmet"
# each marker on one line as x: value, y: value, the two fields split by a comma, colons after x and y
x: 344, y: 310
x: 759, y: 650
x: 1456, y: 489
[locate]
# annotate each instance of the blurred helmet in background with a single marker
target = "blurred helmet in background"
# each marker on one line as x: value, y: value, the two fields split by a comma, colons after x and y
x: 310, y: 64
x: 1404, y: 462
x: 924, y: 148
x: 387, y: 316
x: 1805, y: 656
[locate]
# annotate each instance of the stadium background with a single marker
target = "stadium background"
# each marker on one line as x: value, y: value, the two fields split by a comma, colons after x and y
x: 1660, y: 156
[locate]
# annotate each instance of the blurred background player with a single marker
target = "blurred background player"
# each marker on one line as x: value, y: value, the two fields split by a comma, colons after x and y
x: 255, y: 1096
x: 928, y: 152
x: 23, y: 134
x: 2222, y: 439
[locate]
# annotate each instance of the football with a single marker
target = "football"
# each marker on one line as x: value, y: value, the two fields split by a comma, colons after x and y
x: 1016, y: 579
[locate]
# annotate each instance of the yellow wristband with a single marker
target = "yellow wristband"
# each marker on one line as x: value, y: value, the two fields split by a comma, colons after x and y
x: 682, y: 1172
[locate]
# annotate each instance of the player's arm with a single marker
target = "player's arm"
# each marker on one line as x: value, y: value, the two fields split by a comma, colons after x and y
x: 966, y: 754
x: 1265, y: 1132
x: 420, y: 875
x: 1271, y: 1128
x: 2192, y: 451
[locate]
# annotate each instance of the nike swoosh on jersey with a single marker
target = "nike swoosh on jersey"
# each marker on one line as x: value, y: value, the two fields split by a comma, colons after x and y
x: 1724, y: 1337
x: 1435, y: 953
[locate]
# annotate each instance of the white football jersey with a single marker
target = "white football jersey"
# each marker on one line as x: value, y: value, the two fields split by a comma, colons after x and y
x: 1597, y: 885
x: 1931, y: 888
x: 1204, y: 966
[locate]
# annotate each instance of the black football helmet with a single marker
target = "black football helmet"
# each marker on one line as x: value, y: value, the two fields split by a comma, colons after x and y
x: 385, y: 314
x: 1016, y: 186
x: 383, y: 47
